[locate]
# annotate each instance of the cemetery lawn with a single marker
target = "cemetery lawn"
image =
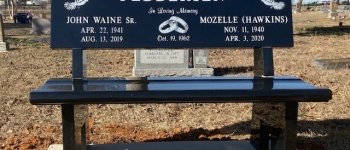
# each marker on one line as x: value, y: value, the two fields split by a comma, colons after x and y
x: 29, y: 64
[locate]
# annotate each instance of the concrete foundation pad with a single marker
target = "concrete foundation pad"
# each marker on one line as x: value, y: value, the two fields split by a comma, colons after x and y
x: 4, y: 47
x: 173, y: 72
x: 41, y: 39
x: 342, y: 63
x: 177, y: 145
x: 55, y: 147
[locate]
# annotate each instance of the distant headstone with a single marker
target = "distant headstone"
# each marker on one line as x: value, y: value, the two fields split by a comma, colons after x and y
x: 333, y: 10
x: 168, y: 62
x: 162, y: 58
x: 42, y: 15
x: 298, y: 9
x: 340, y: 11
x: 346, y: 7
x: 325, y: 9
x: 41, y: 26
x: 3, y: 45
x: 200, y: 58
x: 332, y: 63
x: 318, y: 8
x: 333, y: 6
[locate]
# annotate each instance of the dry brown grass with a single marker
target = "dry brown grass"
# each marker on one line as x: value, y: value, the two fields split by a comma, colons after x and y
x: 29, y: 64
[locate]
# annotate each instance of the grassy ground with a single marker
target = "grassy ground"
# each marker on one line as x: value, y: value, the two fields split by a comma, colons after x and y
x: 28, y: 64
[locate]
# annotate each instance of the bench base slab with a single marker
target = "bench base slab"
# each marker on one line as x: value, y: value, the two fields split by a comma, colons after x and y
x: 161, y: 72
x: 178, y: 145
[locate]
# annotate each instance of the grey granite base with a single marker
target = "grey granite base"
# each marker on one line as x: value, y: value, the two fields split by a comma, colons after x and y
x: 4, y: 47
x: 173, y: 72
x: 332, y: 14
x: 342, y: 63
x: 176, y: 145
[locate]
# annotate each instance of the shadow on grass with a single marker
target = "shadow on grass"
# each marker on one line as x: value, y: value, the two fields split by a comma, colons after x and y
x: 323, y: 31
x: 13, y: 49
x: 16, y: 25
x: 232, y: 70
x: 335, y: 132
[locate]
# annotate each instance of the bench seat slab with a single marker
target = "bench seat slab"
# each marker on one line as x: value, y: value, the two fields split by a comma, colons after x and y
x: 179, y: 90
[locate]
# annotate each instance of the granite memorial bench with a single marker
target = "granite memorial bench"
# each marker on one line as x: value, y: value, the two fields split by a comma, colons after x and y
x: 173, y: 25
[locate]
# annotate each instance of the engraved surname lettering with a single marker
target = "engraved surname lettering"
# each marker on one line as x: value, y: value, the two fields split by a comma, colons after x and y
x: 107, y: 20
x: 265, y: 19
x: 248, y: 19
x: 77, y: 20
x: 259, y: 18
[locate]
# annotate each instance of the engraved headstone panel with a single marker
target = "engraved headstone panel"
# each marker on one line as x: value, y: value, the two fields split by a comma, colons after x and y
x: 155, y: 24
x: 41, y: 26
x: 161, y: 58
x: 200, y: 58
x: 318, y: 8
x: 325, y: 9
x: 298, y: 7
x: 170, y: 62
x: 346, y: 7
x: 333, y: 10
x: 333, y: 6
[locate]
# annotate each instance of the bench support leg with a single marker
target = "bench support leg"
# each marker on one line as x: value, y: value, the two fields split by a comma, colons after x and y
x: 272, y: 117
x: 282, y: 125
x: 290, y: 126
x: 74, y: 122
x: 75, y: 117
x: 263, y: 66
x: 264, y: 136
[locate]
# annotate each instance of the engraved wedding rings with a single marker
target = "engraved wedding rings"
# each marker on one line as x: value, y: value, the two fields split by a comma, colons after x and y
x: 174, y: 23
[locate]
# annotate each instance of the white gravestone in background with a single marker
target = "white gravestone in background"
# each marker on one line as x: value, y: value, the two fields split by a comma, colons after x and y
x: 168, y: 62
x: 333, y: 10
x: 3, y: 45
x: 41, y: 26
x: 200, y: 58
